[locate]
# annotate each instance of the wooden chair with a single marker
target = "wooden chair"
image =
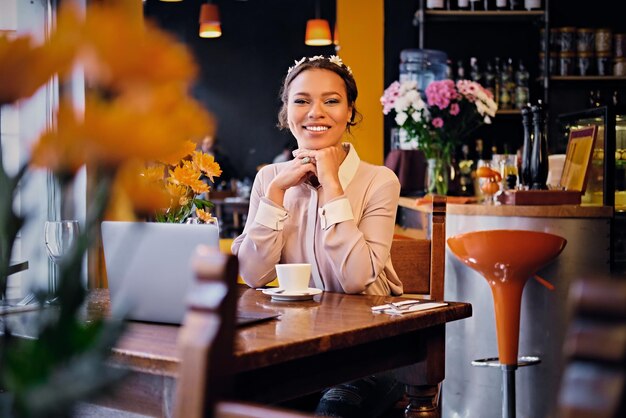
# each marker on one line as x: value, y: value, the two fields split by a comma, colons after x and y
x: 594, y: 378
x: 206, y: 342
x: 420, y: 264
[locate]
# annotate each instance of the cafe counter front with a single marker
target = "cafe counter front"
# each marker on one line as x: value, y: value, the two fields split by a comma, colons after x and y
x: 476, y: 391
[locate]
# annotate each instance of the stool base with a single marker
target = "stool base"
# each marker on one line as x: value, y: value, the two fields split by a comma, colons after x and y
x: 522, y: 361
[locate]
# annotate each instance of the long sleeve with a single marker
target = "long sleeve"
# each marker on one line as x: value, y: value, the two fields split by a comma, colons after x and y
x: 260, y: 245
x: 357, y: 251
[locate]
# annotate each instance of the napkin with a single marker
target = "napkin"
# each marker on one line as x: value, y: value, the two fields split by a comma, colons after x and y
x: 406, y: 306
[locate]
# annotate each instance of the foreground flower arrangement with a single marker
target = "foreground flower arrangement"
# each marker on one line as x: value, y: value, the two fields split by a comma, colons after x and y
x: 451, y: 112
x: 137, y: 109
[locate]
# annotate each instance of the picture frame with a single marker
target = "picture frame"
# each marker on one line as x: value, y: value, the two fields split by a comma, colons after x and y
x: 578, y: 158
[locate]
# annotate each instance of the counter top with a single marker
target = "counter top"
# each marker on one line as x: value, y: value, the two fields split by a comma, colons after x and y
x: 551, y: 211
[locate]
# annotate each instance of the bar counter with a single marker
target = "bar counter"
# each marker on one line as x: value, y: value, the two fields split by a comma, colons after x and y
x: 476, y: 391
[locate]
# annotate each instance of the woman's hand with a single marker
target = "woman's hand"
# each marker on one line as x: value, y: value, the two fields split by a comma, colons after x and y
x: 297, y: 171
x: 327, y: 162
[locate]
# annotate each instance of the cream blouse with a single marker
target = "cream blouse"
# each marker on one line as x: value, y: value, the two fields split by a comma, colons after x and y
x: 347, y: 241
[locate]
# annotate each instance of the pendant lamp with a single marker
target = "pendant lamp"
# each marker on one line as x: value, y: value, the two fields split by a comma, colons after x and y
x: 210, y: 25
x: 317, y: 30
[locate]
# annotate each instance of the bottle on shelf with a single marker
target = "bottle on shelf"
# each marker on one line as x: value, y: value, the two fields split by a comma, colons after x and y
x: 449, y: 70
x: 507, y: 86
x: 489, y: 4
x: 516, y: 5
x: 463, y: 4
x: 436, y: 4
x: 477, y: 5
x: 532, y: 4
x: 525, y: 179
x: 489, y: 78
x: 460, y: 71
x: 480, y: 162
x: 522, y: 92
x: 502, y: 5
x: 475, y: 74
x: 497, y: 68
x: 466, y: 184
x: 539, y: 156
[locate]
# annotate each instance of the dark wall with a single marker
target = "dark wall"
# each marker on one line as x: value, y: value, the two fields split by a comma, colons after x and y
x: 241, y: 72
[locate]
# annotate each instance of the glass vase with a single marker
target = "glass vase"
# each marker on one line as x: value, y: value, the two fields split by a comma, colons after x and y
x: 437, y: 176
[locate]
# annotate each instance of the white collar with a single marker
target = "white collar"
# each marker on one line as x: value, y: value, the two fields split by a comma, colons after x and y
x: 349, y: 166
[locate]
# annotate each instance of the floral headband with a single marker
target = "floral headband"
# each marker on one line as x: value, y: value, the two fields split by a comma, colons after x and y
x: 333, y: 58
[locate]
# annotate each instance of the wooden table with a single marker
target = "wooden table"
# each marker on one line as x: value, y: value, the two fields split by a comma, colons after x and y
x: 314, y: 344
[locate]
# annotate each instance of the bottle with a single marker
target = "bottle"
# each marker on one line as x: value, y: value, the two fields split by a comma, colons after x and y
x: 489, y: 4
x: 463, y: 4
x: 498, y: 72
x: 475, y: 74
x: 506, y: 78
x: 532, y: 4
x: 449, y: 70
x: 466, y: 184
x: 460, y: 71
x: 522, y: 93
x: 516, y: 4
x: 501, y: 5
x: 435, y: 4
x: 539, y: 156
x: 525, y: 179
x: 489, y: 77
x: 477, y: 5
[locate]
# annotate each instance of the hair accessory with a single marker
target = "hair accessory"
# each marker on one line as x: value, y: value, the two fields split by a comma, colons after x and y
x: 333, y: 58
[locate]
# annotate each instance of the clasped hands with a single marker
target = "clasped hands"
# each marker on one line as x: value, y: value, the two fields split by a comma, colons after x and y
x: 322, y: 163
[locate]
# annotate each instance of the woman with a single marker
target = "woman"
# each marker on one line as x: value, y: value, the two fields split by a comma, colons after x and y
x: 328, y: 208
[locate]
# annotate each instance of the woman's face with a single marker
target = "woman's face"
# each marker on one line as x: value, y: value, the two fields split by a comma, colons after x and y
x: 317, y: 109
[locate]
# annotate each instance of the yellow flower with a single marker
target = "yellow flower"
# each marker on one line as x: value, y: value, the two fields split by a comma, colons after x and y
x: 138, y: 186
x: 177, y: 193
x: 206, y: 163
x: 206, y: 217
x: 187, y: 148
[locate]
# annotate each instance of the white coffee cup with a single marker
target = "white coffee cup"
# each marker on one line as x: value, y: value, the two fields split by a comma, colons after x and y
x: 293, y: 277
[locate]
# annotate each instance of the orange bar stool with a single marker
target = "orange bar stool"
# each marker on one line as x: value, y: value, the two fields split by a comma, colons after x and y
x: 507, y: 259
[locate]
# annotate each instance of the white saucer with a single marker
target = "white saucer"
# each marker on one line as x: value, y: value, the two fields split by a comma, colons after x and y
x: 287, y: 296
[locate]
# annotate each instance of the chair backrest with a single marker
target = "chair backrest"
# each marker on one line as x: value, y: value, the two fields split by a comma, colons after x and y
x: 420, y: 263
x: 594, y: 378
x: 206, y: 342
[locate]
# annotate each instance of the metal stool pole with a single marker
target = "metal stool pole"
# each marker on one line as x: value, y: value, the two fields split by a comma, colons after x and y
x: 508, y: 391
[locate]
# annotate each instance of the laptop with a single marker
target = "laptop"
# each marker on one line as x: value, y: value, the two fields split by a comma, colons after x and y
x: 149, y: 267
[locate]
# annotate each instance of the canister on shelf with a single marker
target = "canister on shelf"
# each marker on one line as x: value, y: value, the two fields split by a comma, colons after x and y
x: 567, y: 36
x: 603, y: 40
x: 553, y: 62
x: 603, y: 63
x: 619, y: 45
x: 619, y: 66
x: 585, y: 39
x: 584, y: 63
x: 566, y: 63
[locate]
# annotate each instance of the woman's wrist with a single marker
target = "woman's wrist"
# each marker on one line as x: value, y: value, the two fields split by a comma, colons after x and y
x: 276, y: 194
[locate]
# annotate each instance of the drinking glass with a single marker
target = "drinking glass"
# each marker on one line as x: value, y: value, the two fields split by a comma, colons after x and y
x: 60, y: 237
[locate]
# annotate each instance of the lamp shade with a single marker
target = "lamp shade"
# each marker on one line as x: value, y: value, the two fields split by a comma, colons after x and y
x: 317, y: 32
x: 210, y: 30
x: 210, y: 26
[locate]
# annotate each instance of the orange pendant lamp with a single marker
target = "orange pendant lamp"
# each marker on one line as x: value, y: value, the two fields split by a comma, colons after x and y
x: 210, y: 25
x: 317, y: 30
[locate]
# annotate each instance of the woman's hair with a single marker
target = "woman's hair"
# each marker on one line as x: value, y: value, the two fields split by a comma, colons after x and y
x: 332, y: 63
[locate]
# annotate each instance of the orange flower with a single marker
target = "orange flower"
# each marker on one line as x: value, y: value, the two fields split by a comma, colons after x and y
x: 188, y: 175
x: 119, y: 55
x: 205, y: 217
x: 25, y: 67
x: 206, y: 163
x: 144, y: 194
x: 187, y: 148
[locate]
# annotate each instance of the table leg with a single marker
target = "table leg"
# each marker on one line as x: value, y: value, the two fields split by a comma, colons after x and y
x: 423, y: 380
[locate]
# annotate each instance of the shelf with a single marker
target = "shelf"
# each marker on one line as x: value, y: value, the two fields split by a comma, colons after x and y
x: 587, y: 78
x: 509, y: 112
x: 503, y: 16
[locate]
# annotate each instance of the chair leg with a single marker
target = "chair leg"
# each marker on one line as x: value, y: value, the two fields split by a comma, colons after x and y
x: 423, y: 401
